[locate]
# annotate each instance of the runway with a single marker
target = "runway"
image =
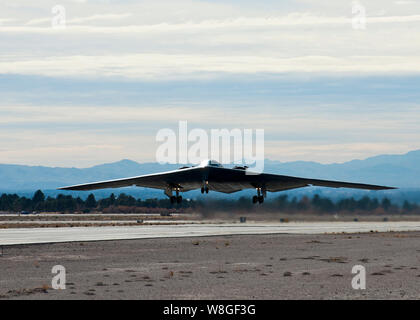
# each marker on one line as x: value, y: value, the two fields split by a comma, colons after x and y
x: 53, y: 235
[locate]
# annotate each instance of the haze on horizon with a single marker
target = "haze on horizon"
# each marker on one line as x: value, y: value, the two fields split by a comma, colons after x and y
x: 99, y: 90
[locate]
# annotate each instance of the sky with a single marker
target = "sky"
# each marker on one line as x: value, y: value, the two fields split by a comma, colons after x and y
x: 321, y: 86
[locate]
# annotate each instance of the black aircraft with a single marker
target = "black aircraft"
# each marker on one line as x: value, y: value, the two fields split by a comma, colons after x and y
x: 211, y: 175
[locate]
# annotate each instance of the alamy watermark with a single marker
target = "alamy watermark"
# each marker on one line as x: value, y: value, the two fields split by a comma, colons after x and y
x: 235, y: 146
x: 358, y: 282
x: 358, y: 20
x: 59, y: 17
x: 58, y: 282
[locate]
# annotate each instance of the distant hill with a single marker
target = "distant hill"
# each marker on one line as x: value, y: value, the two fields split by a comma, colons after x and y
x: 401, y: 171
x: 21, y: 177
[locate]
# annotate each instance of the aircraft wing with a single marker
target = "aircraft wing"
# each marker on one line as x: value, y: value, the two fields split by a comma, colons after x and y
x: 188, y: 179
x: 220, y: 179
x: 276, y: 183
x: 231, y: 180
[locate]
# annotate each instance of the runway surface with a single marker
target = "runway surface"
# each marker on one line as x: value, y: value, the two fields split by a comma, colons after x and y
x: 105, y: 222
x: 52, y: 235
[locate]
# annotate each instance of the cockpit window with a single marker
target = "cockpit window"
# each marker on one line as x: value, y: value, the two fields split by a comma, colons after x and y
x: 211, y: 163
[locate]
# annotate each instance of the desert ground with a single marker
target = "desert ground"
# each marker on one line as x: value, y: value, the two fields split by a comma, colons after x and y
x: 270, y: 266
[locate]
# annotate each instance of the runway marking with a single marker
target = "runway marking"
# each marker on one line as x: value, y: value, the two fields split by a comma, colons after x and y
x: 51, y: 235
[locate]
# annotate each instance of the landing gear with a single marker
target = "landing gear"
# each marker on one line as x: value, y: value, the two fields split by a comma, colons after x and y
x: 205, y: 187
x: 177, y: 199
x: 172, y: 198
x: 258, y: 198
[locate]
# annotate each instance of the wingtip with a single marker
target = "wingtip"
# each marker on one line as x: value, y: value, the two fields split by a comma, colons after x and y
x: 64, y: 188
x: 390, y: 188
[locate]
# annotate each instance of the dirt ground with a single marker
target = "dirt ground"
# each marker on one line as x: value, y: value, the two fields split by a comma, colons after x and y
x: 224, y: 267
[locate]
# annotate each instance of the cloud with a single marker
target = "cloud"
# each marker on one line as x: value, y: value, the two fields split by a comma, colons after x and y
x: 72, y: 136
x: 93, y: 18
x: 404, y: 2
x: 3, y: 21
x: 154, y: 66
x: 296, y: 19
x: 167, y: 60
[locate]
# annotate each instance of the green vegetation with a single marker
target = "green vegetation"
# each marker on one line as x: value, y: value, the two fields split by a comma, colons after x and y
x: 126, y: 204
x: 66, y: 203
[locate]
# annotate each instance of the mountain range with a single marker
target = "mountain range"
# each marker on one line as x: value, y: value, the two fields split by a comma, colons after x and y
x: 402, y: 171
